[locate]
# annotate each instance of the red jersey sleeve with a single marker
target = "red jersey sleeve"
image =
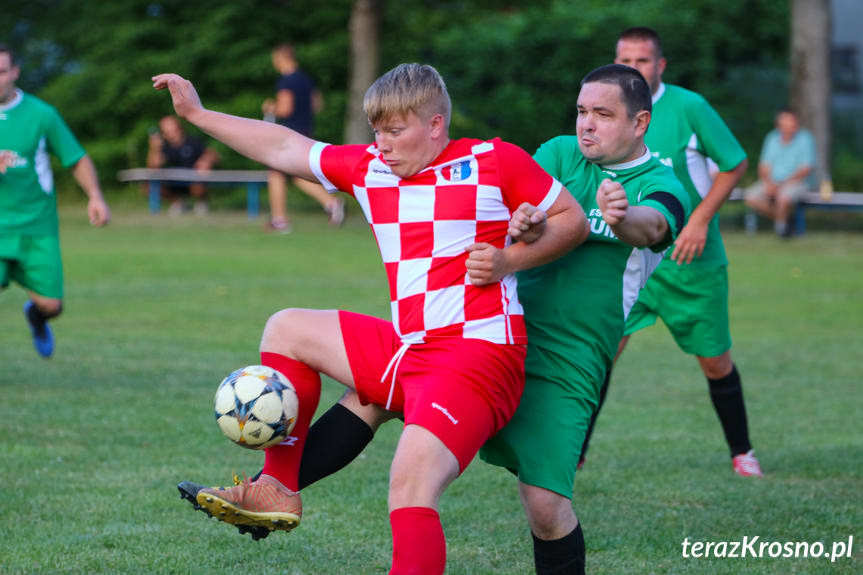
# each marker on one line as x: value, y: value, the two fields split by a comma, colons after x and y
x: 337, y: 167
x: 522, y: 179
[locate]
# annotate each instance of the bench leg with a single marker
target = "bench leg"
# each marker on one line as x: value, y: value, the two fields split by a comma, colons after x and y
x: 155, y: 196
x: 799, y: 219
x: 253, y: 202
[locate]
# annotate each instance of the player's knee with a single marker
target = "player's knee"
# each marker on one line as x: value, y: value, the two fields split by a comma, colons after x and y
x: 549, y: 514
x: 286, y: 327
x: 49, y: 308
x: 716, y: 367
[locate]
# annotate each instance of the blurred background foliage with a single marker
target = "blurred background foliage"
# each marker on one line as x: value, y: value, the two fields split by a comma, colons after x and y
x: 512, y: 68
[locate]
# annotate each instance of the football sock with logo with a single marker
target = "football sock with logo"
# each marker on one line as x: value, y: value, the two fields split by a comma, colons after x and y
x: 419, y: 546
x: 726, y: 393
x: 564, y: 556
x: 335, y: 439
x: 283, y: 461
x: 603, y: 391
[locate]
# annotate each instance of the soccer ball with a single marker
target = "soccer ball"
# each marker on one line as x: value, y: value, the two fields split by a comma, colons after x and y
x: 256, y: 407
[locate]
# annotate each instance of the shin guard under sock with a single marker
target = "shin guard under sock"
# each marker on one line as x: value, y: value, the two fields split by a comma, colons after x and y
x: 564, y: 556
x: 335, y: 439
x: 726, y: 394
x: 283, y: 461
x: 419, y: 546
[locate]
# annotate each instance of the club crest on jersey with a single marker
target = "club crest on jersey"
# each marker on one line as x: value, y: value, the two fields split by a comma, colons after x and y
x: 457, y: 172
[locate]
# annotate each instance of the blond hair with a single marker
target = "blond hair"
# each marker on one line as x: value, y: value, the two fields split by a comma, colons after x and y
x: 416, y: 88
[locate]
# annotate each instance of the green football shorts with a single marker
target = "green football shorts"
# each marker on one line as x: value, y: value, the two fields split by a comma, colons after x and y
x: 542, y: 442
x: 692, y: 302
x: 33, y: 262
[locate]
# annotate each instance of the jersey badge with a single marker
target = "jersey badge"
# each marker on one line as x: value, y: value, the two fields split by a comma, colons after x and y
x: 457, y: 172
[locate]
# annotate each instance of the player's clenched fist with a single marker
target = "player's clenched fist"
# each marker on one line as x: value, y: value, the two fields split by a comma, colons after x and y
x: 183, y: 94
x: 527, y: 223
x: 485, y: 264
x: 612, y: 201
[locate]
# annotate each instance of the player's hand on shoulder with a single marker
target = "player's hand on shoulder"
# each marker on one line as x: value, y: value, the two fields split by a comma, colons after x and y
x: 527, y: 223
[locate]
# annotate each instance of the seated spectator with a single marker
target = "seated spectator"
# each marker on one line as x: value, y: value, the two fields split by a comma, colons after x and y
x: 785, y: 171
x: 171, y: 147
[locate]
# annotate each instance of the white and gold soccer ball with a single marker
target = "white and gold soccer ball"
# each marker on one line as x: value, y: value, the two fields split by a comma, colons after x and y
x: 256, y: 407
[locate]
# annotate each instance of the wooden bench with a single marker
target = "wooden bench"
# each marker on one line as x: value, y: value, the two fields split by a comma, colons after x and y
x: 839, y: 201
x: 253, y: 179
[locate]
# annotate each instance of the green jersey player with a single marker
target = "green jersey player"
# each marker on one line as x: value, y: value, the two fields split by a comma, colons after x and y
x: 30, y: 129
x: 693, y: 283
x: 575, y: 307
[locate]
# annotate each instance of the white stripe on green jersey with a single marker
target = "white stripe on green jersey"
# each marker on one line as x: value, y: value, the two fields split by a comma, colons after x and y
x: 684, y: 132
x: 31, y: 130
x: 579, y: 302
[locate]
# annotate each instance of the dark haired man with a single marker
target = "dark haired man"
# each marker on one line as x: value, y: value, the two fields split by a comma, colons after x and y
x: 575, y: 307
x: 689, y: 290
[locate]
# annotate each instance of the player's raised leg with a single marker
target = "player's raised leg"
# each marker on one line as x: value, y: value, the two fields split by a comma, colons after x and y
x: 301, y: 344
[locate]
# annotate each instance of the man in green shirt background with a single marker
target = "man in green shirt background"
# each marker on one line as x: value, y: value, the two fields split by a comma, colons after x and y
x: 30, y: 130
x: 689, y: 290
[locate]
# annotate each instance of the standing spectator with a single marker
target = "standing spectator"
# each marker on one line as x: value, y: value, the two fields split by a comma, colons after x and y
x: 785, y: 171
x: 30, y: 129
x: 297, y: 100
x: 689, y: 290
x: 171, y: 147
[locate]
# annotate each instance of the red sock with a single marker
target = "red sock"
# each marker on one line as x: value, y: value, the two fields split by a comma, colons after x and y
x: 283, y: 461
x: 419, y: 546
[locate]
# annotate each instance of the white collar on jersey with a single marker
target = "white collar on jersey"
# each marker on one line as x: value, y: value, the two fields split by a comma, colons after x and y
x: 659, y: 92
x: 16, y: 99
x: 632, y: 163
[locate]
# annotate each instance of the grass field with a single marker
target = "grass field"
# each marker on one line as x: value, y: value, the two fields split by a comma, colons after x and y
x: 158, y: 310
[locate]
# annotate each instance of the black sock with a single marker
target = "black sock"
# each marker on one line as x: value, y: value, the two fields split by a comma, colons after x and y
x: 36, y: 317
x: 564, y: 556
x: 334, y: 440
x: 727, y: 396
x: 603, y: 391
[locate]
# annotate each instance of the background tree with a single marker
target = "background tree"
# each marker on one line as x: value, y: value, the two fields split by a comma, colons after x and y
x: 513, y: 68
x: 810, y: 74
x: 364, y: 30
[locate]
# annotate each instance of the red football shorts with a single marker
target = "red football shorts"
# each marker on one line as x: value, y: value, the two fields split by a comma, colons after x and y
x: 462, y: 390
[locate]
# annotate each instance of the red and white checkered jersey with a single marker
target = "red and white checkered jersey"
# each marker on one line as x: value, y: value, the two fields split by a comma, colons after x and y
x: 424, y: 223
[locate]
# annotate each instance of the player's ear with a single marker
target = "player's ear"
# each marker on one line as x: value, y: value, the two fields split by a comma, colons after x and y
x: 437, y: 125
x: 642, y: 122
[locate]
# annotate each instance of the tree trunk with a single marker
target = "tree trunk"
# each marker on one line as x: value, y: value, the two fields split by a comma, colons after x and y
x: 810, y: 74
x: 364, y: 62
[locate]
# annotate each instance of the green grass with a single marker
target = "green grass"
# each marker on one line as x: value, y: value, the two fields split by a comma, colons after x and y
x: 158, y: 310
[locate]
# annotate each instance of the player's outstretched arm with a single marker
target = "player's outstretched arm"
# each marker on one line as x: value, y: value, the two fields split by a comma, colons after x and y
x: 565, y: 228
x: 638, y: 226
x: 264, y: 142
